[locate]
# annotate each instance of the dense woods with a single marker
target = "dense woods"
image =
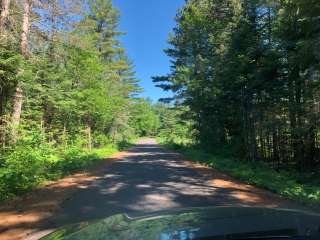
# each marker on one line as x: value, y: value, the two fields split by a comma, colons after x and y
x: 247, y: 74
x: 245, y: 77
x: 66, y: 88
x: 62, y: 70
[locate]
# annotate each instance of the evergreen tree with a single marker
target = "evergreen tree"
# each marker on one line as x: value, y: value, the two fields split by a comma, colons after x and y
x: 248, y: 70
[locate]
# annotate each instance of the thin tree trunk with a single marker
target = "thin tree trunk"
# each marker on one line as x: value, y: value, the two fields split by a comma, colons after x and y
x: 64, y: 136
x: 292, y: 117
x: 25, y: 28
x: 5, y: 5
x: 18, y: 97
x: 89, y: 137
x: 275, y: 144
x: 250, y: 132
x: 300, y: 128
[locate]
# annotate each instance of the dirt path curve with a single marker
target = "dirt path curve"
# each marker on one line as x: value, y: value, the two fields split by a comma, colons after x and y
x: 146, y: 178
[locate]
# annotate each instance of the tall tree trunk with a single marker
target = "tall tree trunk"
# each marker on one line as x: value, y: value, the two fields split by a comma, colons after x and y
x: 25, y: 28
x: 275, y: 149
x: 249, y: 126
x: 17, y: 106
x: 300, y: 125
x: 292, y: 117
x: 18, y: 97
x: 5, y: 5
x: 89, y: 137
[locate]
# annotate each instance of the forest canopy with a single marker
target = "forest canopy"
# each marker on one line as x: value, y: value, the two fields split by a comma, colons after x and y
x: 248, y: 72
x: 244, y: 77
x: 67, y: 87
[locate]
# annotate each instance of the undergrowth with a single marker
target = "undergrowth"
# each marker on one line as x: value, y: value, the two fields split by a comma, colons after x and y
x: 31, y: 163
x: 289, y: 184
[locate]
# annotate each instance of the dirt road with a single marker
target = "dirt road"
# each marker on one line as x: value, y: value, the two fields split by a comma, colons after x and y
x: 146, y: 178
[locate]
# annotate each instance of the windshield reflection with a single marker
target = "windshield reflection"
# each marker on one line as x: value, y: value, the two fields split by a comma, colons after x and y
x: 180, y: 235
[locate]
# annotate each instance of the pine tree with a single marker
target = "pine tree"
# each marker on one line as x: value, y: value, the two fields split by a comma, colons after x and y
x: 248, y: 72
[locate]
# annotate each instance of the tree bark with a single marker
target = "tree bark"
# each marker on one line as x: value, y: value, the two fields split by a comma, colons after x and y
x: 18, y: 97
x: 25, y: 28
x: 5, y: 5
x: 89, y: 137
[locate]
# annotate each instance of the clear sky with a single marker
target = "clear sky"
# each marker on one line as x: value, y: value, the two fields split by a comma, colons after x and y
x: 148, y: 24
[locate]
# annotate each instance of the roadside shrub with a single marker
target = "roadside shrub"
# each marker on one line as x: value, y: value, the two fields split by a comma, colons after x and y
x: 31, y: 163
x: 73, y: 159
x: 24, y: 167
x: 102, y: 140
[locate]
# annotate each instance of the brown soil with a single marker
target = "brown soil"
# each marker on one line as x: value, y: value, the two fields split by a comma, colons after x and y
x: 24, y: 215
x: 143, y: 179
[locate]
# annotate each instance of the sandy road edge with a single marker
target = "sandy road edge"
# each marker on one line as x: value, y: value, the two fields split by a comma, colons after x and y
x: 265, y: 197
x: 22, y: 217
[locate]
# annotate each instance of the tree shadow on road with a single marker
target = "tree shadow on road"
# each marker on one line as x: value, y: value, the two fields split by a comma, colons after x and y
x: 147, y: 178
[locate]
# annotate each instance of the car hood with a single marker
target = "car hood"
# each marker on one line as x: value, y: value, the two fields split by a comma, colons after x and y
x: 196, y: 223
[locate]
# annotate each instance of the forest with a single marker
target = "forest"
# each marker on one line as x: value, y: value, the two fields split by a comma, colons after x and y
x: 68, y: 93
x: 246, y: 75
x: 244, y: 81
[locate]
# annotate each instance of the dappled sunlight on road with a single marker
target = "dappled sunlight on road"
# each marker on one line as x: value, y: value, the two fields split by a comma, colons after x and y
x: 22, y: 216
x: 155, y: 202
x: 146, y: 178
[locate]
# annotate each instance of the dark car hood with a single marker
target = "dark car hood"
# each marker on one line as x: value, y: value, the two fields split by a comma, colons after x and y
x: 195, y: 223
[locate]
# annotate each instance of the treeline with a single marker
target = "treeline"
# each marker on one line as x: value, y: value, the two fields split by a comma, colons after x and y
x: 248, y: 71
x: 63, y: 70
x: 66, y: 88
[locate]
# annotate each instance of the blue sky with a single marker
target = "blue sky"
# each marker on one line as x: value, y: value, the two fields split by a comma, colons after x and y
x: 148, y: 24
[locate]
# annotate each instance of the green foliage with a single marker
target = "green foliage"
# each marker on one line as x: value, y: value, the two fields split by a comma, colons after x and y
x: 144, y: 119
x: 248, y: 73
x: 16, y: 177
x: 73, y: 159
x: 77, y: 88
x: 31, y: 163
x: 10, y: 72
x: 172, y: 128
x: 25, y: 165
x: 288, y: 184
x: 79, y: 77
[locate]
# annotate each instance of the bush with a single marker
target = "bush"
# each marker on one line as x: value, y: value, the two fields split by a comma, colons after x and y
x: 24, y: 168
x: 31, y: 163
x: 102, y: 140
x: 72, y: 159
